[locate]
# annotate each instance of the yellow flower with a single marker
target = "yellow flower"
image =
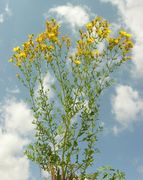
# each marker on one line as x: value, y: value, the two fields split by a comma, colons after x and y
x: 67, y: 40
x: 50, y: 47
x: 16, y: 49
x: 79, y: 51
x: 116, y: 41
x: 41, y: 37
x: 123, y: 33
x: 90, y: 40
x: 10, y: 60
x: 17, y: 75
x: 30, y: 36
x: 129, y: 45
x: 51, y: 35
x: 43, y: 47
x: 95, y: 53
x: 22, y: 54
x: 16, y: 56
x: 99, y: 32
x: 26, y: 44
x: 89, y: 26
x: 32, y: 57
x: 128, y: 35
x: 49, y: 58
x: 80, y: 42
x: 52, y: 27
x: 77, y: 62
x: 108, y: 31
x: 19, y: 62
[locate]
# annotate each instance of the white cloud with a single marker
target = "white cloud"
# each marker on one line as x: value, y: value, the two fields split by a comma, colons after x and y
x: 5, y: 13
x: 13, y: 165
x: 131, y: 12
x: 17, y: 117
x: 75, y: 16
x: 15, y: 128
x: 7, y: 10
x: 137, y: 70
x: 126, y: 105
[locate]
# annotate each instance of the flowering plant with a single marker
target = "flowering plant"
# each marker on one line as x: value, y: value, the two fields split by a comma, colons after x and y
x: 66, y: 126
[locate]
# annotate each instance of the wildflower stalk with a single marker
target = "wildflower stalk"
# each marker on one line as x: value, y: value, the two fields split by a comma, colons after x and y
x: 80, y: 78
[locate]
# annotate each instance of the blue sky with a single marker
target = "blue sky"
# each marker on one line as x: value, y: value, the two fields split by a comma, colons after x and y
x: 121, y: 114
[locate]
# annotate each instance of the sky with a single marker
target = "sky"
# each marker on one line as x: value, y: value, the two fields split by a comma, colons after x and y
x: 121, y: 114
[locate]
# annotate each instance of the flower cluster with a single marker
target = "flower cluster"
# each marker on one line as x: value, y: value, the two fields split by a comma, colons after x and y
x: 51, y: 33
x: 99, y: 27
x: 43, y: 43
x: 123, y: 42
x: 96, y: 31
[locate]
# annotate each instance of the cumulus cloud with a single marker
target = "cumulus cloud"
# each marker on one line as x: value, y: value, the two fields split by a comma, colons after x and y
x: 75, y: 16
x: 13, y: 165
x: 127, y: 105
x: 16, y: 116
x: 130, y: 12
x: 15, y: 128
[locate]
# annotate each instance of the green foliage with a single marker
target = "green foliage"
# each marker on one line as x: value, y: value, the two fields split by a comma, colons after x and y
x: 106, y: 173
x: 66, y: 126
